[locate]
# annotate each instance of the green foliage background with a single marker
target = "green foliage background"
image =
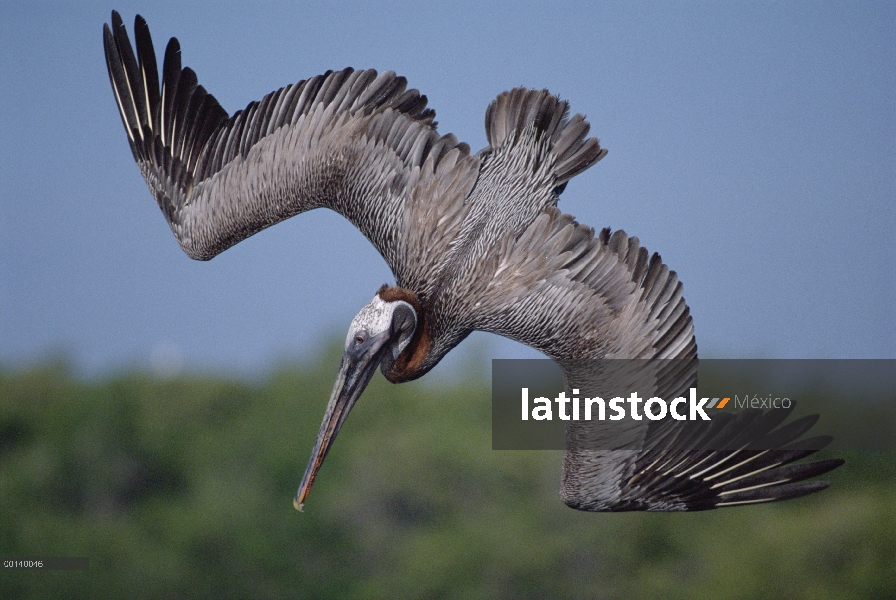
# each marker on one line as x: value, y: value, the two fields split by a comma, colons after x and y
x: 183, y: 488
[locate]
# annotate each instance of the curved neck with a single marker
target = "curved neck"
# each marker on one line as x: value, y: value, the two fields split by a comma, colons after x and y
x: 410, y: 363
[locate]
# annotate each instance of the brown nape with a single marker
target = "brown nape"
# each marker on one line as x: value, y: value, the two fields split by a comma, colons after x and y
x: 408, y: 364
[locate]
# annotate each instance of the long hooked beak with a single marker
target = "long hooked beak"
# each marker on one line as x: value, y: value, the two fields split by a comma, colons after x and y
x: 358, y: 366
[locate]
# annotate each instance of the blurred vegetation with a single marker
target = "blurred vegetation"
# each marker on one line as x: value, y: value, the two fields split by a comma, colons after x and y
x: 182, y: 488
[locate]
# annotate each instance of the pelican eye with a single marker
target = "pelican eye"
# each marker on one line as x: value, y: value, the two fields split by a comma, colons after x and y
x: 359, y: 338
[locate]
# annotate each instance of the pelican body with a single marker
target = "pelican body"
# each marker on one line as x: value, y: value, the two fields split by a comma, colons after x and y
x: 475, y: 242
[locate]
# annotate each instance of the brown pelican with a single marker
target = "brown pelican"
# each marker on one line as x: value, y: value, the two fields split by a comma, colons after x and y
x: 475, y: 242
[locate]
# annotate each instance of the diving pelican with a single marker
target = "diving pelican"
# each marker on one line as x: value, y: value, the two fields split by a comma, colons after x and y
x: 475, y: 242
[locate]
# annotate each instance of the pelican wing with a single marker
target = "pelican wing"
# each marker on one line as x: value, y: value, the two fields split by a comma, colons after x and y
x: 575, y: 296
x: 578, y: 297
x: 356, y: 142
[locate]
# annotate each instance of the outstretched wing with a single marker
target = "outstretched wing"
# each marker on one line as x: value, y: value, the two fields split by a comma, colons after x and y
x: 578, y: 297
x: 356, y: 142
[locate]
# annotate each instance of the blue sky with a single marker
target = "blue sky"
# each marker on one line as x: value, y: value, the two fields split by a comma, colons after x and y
x: 752, y: 145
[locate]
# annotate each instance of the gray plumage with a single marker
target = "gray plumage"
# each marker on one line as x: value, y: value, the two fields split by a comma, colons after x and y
x: 475, y: 243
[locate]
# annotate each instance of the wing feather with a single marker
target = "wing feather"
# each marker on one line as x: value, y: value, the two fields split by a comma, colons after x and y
x: 357, y: 142
x: 577, y: 296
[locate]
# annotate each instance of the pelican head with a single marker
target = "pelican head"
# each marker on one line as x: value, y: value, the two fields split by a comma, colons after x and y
x: 377, y: 336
